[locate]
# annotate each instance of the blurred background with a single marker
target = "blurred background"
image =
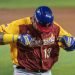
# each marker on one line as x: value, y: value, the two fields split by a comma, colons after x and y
x: 64, y: 14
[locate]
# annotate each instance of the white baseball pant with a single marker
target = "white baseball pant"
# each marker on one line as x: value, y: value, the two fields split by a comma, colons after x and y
x: 24, y: 72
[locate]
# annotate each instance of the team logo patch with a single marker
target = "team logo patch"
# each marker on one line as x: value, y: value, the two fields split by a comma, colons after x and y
x: 49, y: 40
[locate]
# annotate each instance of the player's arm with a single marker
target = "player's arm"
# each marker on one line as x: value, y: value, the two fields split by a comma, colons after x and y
x: 10, y: 31
x: 63, y: 31
x: 7, y: 38
x: 13, y: 28
x: 68, y: 42
x: 25, y: 40
x: 13, y: 38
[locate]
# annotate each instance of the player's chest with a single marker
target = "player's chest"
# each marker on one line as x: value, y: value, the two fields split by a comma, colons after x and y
x: 48, y: 38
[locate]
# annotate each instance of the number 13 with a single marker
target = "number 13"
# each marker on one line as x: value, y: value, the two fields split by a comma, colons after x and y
x: 47, y: 52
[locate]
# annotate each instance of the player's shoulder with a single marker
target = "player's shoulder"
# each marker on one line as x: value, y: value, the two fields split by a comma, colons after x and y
x: 56, y: 24
x: 28, y: 20
x: 22, y: 21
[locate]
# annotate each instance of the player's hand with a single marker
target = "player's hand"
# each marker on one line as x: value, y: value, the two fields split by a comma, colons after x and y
x: 24, y: 39
x: 68, y: 42
x: 28, y: 40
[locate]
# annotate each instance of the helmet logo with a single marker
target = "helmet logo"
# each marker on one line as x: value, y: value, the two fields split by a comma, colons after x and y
x: 48, y: 16
x: 38, y: 12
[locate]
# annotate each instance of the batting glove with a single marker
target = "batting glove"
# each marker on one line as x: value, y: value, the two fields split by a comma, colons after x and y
x: 68, y: 42
x: 28, y: 40
x: 25, y: 39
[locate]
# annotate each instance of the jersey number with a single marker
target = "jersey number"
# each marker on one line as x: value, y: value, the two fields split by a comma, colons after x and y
x: 47, y: 53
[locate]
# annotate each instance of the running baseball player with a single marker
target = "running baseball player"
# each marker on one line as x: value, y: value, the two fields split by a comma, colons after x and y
x: 35, y: 42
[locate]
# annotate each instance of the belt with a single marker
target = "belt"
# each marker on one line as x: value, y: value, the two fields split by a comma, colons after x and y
x: 40, y: 71
x: 37, y: 71
x: 20, y: 67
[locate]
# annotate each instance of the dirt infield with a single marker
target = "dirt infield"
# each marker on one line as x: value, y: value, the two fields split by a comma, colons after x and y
x: 65, y: 17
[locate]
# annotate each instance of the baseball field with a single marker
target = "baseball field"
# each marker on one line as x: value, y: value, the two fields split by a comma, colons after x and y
x: 64, y: 12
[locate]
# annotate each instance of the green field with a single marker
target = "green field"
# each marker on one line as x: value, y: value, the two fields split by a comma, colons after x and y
x: 66, y: 63
x: 65, y: 66
x: 5, y: 61
x: 35, y: 3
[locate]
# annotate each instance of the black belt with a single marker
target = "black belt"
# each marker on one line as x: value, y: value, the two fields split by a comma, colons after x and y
x: 37, y: 71
x: 40, y: 71
x: 20, y: 67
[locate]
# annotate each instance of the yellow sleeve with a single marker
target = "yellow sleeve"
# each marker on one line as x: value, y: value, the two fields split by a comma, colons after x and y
x: 63, y: 31
x: 11, y: 30
x: 13, y: 27
x: 7, y: 38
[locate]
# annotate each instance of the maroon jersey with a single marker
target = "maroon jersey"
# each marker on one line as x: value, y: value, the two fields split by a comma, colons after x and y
x: 43, y: 57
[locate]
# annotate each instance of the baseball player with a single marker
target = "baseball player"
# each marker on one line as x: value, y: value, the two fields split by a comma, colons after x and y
x: 34, y: 42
